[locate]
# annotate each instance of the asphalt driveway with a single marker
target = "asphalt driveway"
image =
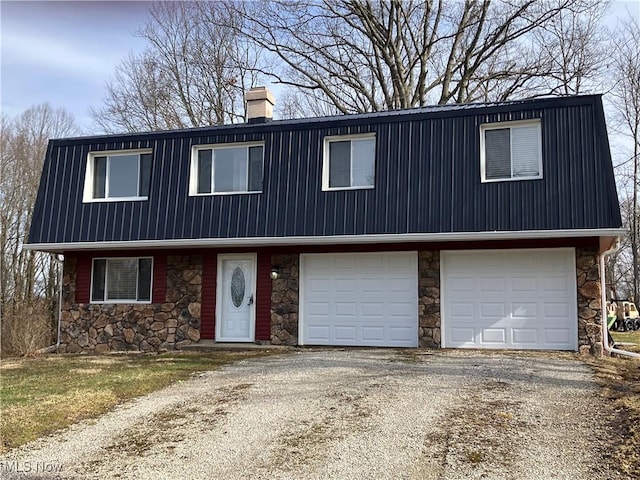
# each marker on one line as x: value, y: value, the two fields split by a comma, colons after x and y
x: 352, y: 414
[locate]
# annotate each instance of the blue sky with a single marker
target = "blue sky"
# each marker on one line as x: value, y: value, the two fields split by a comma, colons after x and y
x: 64, y: 52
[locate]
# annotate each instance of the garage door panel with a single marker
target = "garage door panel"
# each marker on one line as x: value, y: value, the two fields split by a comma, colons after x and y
x: 345, y: 286
x: 403, y: 286
x: 557, y: 335
x: 462, y: 310
x: 524, y: 336
x: 511, y: 298
x: 373, y: 334
x: 461, y: 335
x: 321, y: 309
x: 319, y: 333
x: 368, y: 263
x: 344, y: 266
x: 345, y: 332
x: 372, y: 310
x: 493, y: 335
x: 459, y: 286
x: 372, y: 302
x: 555, y: 285
x: 553, y: 310
x: 524, y: 310
x: 371, y: 286
x: 317, y: 285
x: 524, y: 284
x: 346, y: 309
x: 492, y: 310
x: 399, y: 309
x: 402, y: 334
x: 492, y: 285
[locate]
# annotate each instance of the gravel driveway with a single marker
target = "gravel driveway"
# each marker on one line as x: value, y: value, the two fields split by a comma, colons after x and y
x: 352, y: 414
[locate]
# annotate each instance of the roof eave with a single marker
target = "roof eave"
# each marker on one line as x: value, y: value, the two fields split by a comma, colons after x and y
x: 606, y: 235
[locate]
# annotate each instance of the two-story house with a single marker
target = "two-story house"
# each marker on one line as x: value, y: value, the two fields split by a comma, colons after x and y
x: 475, y: 225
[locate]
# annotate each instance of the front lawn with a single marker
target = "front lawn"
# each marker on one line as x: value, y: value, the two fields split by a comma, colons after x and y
x: 628, y: 338
x: 41, y: 395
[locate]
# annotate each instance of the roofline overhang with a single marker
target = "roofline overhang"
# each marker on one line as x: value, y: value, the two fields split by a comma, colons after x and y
x: 368, y: 118
x: 606, y: 235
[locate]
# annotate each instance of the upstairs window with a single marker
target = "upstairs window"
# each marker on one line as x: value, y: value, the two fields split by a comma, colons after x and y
x: 511, y: 151
x: 349, y: 162
x: 227, y: 169
x: 121, y: 280
x: 113, y: 176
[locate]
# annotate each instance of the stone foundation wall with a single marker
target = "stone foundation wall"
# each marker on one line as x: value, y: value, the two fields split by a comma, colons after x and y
x: 99, y: 328
x: 588, y: 283
x: 429, y: 333
x: 284, y: 300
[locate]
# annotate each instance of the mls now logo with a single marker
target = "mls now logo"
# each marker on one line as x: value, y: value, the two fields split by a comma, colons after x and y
x: 29, y: 467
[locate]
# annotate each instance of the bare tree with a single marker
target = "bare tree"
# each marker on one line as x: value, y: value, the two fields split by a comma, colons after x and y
x: 28, y: 280
x: 625, y: 95
x: 619, y: 272
x: 366, y: 56
x: 193, y: 73
x: 574, y: 50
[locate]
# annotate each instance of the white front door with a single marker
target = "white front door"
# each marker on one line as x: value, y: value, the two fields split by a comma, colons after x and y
x: 235, y: 302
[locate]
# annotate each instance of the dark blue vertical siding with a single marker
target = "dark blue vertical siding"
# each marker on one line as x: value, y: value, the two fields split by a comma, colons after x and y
x: 427, y: 179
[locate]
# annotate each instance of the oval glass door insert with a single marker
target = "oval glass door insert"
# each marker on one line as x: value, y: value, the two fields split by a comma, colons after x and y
x: 238, y: 287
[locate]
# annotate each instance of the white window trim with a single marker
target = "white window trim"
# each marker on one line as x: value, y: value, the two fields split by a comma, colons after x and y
x: 325, y: 160
x: 193, y: 167
x: 508, y: 124
x: 87, y: 196
x: 136, y: 302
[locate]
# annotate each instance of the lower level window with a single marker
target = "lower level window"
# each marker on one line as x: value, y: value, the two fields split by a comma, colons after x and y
x: 121, y: 280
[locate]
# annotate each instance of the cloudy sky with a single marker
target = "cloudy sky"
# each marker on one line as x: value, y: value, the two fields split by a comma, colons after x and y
x: 63, y: 52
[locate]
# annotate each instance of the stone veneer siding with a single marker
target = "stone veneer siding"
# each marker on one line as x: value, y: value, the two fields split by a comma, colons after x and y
x: 170, y: 325
x: 285, y: 299
x: 588, y: 284
x: 429, y: 333
x: 99, y: 328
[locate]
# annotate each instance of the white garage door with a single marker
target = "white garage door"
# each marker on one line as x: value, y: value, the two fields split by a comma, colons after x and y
x: 359, y: 299
x: 521, y: 299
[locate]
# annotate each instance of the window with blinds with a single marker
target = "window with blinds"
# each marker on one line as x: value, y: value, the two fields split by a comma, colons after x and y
x: 121, y: 280
x: 511, y: 151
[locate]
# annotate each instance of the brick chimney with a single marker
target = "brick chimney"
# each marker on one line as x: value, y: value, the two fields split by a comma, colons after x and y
x: 260, y: 103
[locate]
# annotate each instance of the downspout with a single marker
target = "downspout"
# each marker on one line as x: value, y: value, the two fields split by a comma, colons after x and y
x: 56, y: 347
x: 61, y: 264
x: 603, y: 306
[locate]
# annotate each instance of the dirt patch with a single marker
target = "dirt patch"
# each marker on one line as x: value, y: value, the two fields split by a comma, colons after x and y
x: 478, y: 436
x: 342, y: 414
x: 620, y: 382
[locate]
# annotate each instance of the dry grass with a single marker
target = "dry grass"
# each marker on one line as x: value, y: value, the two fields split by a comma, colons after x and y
x: 41, y: 395
x: 630, y: 340
x: 26, y: 328
x: 620, y: 382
